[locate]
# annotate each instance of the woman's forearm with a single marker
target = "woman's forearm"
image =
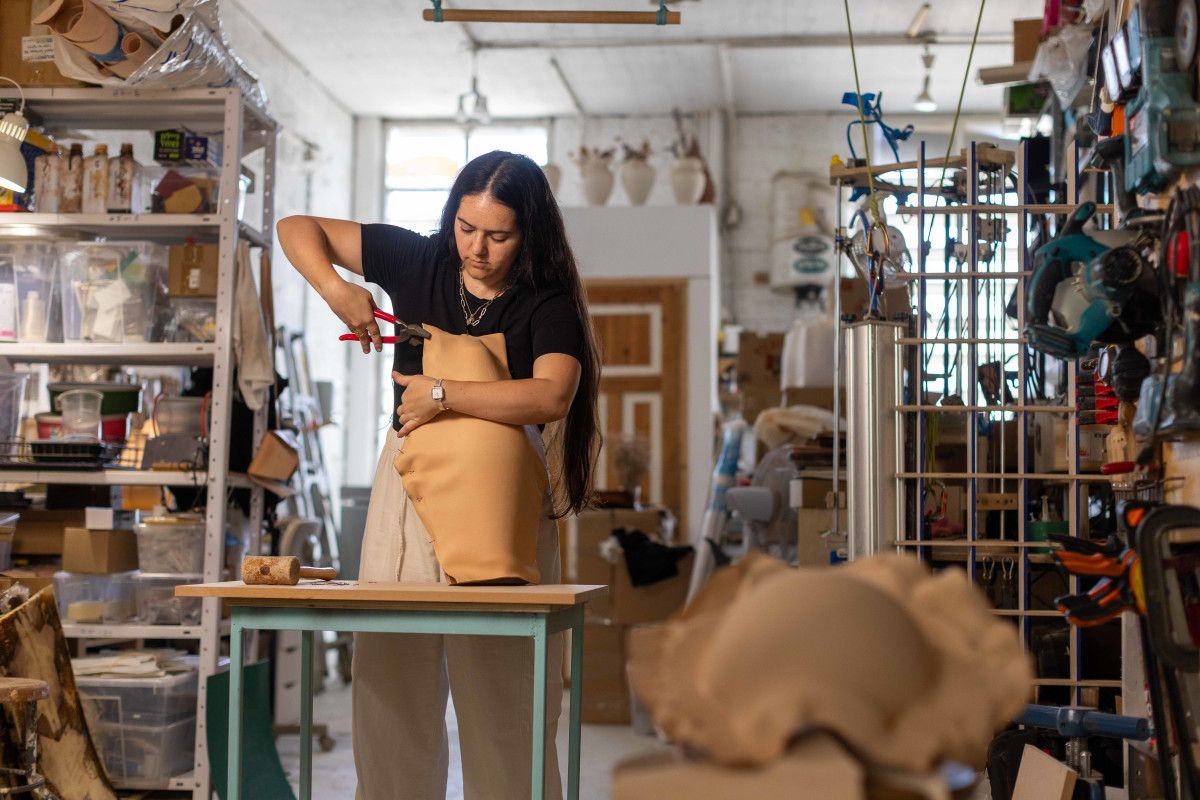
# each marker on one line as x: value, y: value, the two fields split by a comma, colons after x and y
x: 530, y: 401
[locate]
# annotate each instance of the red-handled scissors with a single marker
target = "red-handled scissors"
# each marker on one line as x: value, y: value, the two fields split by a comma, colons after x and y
x: 404, y: 331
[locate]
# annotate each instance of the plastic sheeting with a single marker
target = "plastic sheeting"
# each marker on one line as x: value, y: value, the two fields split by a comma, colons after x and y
x: 195, y: 55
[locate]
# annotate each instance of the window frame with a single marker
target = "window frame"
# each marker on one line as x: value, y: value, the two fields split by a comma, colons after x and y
x: 547, y: 124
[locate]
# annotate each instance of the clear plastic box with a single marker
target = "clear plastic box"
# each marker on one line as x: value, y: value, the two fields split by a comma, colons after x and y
x: 154, y: 702
x: 113, y: 291
x: 39, y: 310
x: 144, y: 756
x: 192, y: 319
x: 94, y: 598
x: 157, y: 603
x: 173, y: 545
x: 182, y: 190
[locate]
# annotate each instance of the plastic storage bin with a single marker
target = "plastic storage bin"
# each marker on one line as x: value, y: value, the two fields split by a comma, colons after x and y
x: 39, y: 312
x: 157, y: 603
x: 12, y: 393
x: 155, y: 702
x: 145, y: 756
x: 113, y: 291
x: 8, y: 528
x: 173, y: 545
x: 182, y: 190
x: 94, y: 598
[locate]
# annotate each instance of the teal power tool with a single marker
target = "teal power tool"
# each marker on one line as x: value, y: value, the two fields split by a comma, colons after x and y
x: 1088, y: 288
x: 1162, y: 121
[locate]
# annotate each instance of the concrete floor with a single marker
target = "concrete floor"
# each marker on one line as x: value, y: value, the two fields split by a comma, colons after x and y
x: 333, y: 772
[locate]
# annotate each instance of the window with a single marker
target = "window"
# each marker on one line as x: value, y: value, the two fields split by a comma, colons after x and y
x: 421, y: 162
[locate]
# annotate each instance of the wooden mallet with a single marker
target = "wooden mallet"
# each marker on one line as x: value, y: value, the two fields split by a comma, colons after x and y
x: 281, y: 571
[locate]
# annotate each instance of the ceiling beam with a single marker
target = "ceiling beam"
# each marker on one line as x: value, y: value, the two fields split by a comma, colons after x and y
x: 562, y: 76
x: 778, y: 42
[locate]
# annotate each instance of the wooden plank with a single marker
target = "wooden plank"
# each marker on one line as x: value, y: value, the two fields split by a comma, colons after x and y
x: 496, y: 598
x: 552, y: 17
x: 1043, y: 778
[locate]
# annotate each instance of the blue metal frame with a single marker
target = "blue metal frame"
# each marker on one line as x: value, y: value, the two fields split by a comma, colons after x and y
x: 535, y: 624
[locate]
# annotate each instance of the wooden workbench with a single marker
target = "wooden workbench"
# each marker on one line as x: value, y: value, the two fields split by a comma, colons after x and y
x: 533, y: 611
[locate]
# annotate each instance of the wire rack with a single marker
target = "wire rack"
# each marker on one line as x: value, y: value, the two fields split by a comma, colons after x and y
x: 61, y: 454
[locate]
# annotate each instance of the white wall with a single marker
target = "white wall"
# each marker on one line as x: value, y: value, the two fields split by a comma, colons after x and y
x: 761, y: 146
x: 313, y: 175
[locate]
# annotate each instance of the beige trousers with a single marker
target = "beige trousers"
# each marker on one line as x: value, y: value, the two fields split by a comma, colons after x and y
x: 400, y: 681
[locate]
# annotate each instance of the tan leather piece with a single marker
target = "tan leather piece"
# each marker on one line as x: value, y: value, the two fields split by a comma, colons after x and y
x: 817, y: 767
x: 907, y: 667
x: 476, y: 484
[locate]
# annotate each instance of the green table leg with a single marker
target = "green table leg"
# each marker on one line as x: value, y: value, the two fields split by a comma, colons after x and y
x: 576, y: 699
x: 539, y: 707
x: 306, y: 717
x: 233, y: 786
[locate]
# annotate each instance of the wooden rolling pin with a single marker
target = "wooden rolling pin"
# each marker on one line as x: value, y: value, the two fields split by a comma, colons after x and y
x: 281, y: 571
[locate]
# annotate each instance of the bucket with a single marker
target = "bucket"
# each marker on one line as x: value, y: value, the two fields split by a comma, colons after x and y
x: 12, y: 392
x: 80, y: 414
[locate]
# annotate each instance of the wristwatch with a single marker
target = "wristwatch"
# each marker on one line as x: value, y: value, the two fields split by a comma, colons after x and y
x: 439, y: 395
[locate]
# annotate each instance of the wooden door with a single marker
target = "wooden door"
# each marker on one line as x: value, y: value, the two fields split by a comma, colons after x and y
x: 640, y: 325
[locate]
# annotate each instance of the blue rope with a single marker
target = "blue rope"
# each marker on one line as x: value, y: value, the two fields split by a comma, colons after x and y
x: 437, y: 10
x: 661, y: 17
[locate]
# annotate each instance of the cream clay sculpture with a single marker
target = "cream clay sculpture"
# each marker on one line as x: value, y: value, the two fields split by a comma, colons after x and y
x: 907, y: 668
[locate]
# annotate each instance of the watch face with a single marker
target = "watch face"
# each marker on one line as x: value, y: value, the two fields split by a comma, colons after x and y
x: 439, y: 393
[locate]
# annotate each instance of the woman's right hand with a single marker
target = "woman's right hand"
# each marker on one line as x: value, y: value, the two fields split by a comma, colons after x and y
x: 355, y: 306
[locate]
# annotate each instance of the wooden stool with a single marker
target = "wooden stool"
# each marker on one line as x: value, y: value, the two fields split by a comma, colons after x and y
x: 29, y: 692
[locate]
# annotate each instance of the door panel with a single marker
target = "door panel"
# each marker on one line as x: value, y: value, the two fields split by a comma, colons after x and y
x: 640, y: 326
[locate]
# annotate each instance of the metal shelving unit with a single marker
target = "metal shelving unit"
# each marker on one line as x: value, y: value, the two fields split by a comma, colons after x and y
x: 970, y: 295
x: 244, y: 129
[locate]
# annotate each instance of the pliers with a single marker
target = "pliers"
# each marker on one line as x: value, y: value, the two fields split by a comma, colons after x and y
x: 1120, y: 588
x: 404, y: 332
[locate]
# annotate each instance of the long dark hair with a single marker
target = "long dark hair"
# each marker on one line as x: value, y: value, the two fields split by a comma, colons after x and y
x: 545, y: 263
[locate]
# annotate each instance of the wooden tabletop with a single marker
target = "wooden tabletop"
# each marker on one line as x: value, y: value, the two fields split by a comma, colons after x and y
x: 344, y: 594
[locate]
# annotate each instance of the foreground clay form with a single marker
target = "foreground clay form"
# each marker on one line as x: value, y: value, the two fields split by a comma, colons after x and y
x: 908, y: 668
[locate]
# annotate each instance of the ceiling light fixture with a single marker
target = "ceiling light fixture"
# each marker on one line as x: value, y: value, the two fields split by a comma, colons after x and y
x: 14, y: 173
x: 473, y: 106
x: 924, y: 102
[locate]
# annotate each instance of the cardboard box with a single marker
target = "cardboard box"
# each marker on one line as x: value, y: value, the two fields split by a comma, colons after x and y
x: 109, y: 519
x: 40, y: 532
x: 1027, y: 35
x: 758, y: 372
x: 99, y: 552
x: 16, y: 24
x: 32, y: 578
x: 605, y: 684
x: 192, y: 270
x: 625, y: 603
x: 277, y: 457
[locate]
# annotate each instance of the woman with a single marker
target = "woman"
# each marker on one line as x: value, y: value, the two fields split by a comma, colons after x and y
x: 500, y: 263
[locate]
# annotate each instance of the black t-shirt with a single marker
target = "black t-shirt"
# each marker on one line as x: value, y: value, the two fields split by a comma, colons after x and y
x: 423, y: 288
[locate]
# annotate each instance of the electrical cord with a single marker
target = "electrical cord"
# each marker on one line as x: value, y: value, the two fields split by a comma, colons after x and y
x: 874, y: 203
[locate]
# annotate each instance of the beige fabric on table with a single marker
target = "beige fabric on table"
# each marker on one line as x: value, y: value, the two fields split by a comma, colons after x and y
x: 476, y: 484
x: 401, y: 680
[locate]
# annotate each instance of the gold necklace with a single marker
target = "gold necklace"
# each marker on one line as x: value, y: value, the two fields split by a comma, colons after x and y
x: 473, y: 317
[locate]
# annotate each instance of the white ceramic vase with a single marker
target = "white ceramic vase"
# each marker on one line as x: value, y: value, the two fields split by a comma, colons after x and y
x: 597, y: 181
x: 553, y: 176
x: 688, y: 180
x: 637, y: 177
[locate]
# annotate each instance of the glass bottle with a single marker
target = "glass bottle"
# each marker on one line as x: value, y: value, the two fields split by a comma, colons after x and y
x: 95, y: 181
x: 123, y: 179
x: 47, y: 173
x: 70, y: 184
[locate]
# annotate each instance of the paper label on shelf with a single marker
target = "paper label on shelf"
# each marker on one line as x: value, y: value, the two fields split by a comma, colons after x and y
x: 193, y: 281
x: 8, y: 312
x: 37, y: 48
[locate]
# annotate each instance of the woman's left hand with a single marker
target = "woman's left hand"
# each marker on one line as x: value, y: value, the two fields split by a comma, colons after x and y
x: 417, y: 405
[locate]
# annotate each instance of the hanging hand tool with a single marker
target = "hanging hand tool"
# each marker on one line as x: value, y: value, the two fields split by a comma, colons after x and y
x: 1082, y: 287
x: 1163, y: 121
x: 404, y: 332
